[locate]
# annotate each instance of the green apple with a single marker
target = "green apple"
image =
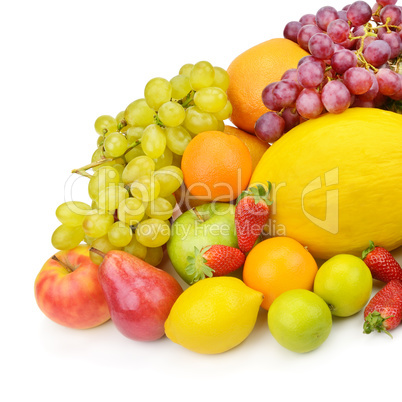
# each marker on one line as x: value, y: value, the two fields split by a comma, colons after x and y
x: 203, y: 226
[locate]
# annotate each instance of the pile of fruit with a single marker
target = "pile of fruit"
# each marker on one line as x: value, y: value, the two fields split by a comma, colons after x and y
x: 169, y: 177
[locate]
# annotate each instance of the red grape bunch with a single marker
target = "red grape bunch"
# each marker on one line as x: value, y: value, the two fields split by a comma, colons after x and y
x: 355, y: 60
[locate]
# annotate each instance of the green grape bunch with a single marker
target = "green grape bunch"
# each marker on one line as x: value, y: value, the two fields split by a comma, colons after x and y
x: 135, y: 168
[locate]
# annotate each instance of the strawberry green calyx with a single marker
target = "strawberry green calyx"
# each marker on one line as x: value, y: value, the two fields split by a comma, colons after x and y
x: 258, y: 192
x: 375, y: 322
x: 368, y: 250
x: 197, y: 265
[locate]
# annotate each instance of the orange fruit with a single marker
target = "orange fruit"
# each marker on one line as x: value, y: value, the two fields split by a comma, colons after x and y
x: 216, y: 166
x: 256, y: 147
x: 279, y: 264
x: 252, y: 71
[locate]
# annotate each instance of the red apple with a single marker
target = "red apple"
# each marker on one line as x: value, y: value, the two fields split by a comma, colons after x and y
x: 68, y: 291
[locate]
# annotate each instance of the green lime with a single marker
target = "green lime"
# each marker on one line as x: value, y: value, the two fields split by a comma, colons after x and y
x: 299, y: 320
x: 345, y: 283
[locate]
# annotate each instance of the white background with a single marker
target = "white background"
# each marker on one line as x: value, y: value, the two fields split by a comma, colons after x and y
x: 64, y: 64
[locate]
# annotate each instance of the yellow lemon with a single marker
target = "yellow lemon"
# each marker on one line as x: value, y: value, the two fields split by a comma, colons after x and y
x: 213, y: 315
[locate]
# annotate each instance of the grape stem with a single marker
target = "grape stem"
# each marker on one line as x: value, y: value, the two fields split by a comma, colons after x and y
x: 189, y: 99
x: 83, y: 170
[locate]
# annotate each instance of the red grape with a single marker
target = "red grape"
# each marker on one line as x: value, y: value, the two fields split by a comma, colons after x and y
x: 307, y: 19
x: 394, y: 41
x: 269, y: 127
x: 338, y: 30
x: 291, y: 30
x: 398, y: 94
x: 308, y: 103
x: 285, y: 93
x: 335, y: 97
x: 291, y: 118
x: 268, y: 99
x: 310, y: 75
x: 305, y: 33
x: 324, y: 16
x: 377, y: 53
x: 388, y: 81
x: 359, y: 13
x: 343, y: 60
x: 392, y: 12
x: 358, y: 80
x: 321, y: 46
x: 373, y: 91
x: 386, y: 2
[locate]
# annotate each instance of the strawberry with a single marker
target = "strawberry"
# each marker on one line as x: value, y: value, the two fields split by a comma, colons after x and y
x: 251, y: 215
x: 381, y: 263
x: 384, y: 310
x: 216, y: 260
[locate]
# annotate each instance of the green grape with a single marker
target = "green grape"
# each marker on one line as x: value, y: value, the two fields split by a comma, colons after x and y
x: 120, y: 234
x: 159, y: 208
x: 177, y: 139
x: 101, y: 179
x: 164, y: 160
x: 111, y: 196
x: 102, y: 244
x: 130, y: 211
x: 89, y: 240
x: 138, y: 113
x: 176, y: 160
x: 226, y: 112
x: 197, y: 121
x: 146, y: 188
x: 97, y: 224
x: 100, y: 141
x: 137, y: 167
x: 202, y: 75
x: 72, y: 213
x: 133, y: 153
x: 152, y: 232
x: 211, y: 99
x: 169, y: 178
x: 120, y: 120
x: 119, y: 167
x: 172, y: 200
x: 154, y: 256
x: 115, y: 145
x: 133, y: 134
x: 157, y: 92
x: 186, y: 69
x: 221, y: 79
x: 180, y: 86
x: 105, y: 124
x: 153, y: 141
x: 67, y: 237
x: 221, y: 126
x: 136, y: 248
x: 97, y: 156
x: 171, y: 114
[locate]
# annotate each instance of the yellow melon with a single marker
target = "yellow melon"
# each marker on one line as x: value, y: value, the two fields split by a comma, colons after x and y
x: 337, y: 182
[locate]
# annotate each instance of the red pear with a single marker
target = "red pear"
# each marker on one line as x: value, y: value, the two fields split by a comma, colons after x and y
x: 139, y: 296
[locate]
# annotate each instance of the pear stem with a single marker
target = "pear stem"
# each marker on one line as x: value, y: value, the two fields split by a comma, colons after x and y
x: 96, y: 251
x: 63, y: 264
